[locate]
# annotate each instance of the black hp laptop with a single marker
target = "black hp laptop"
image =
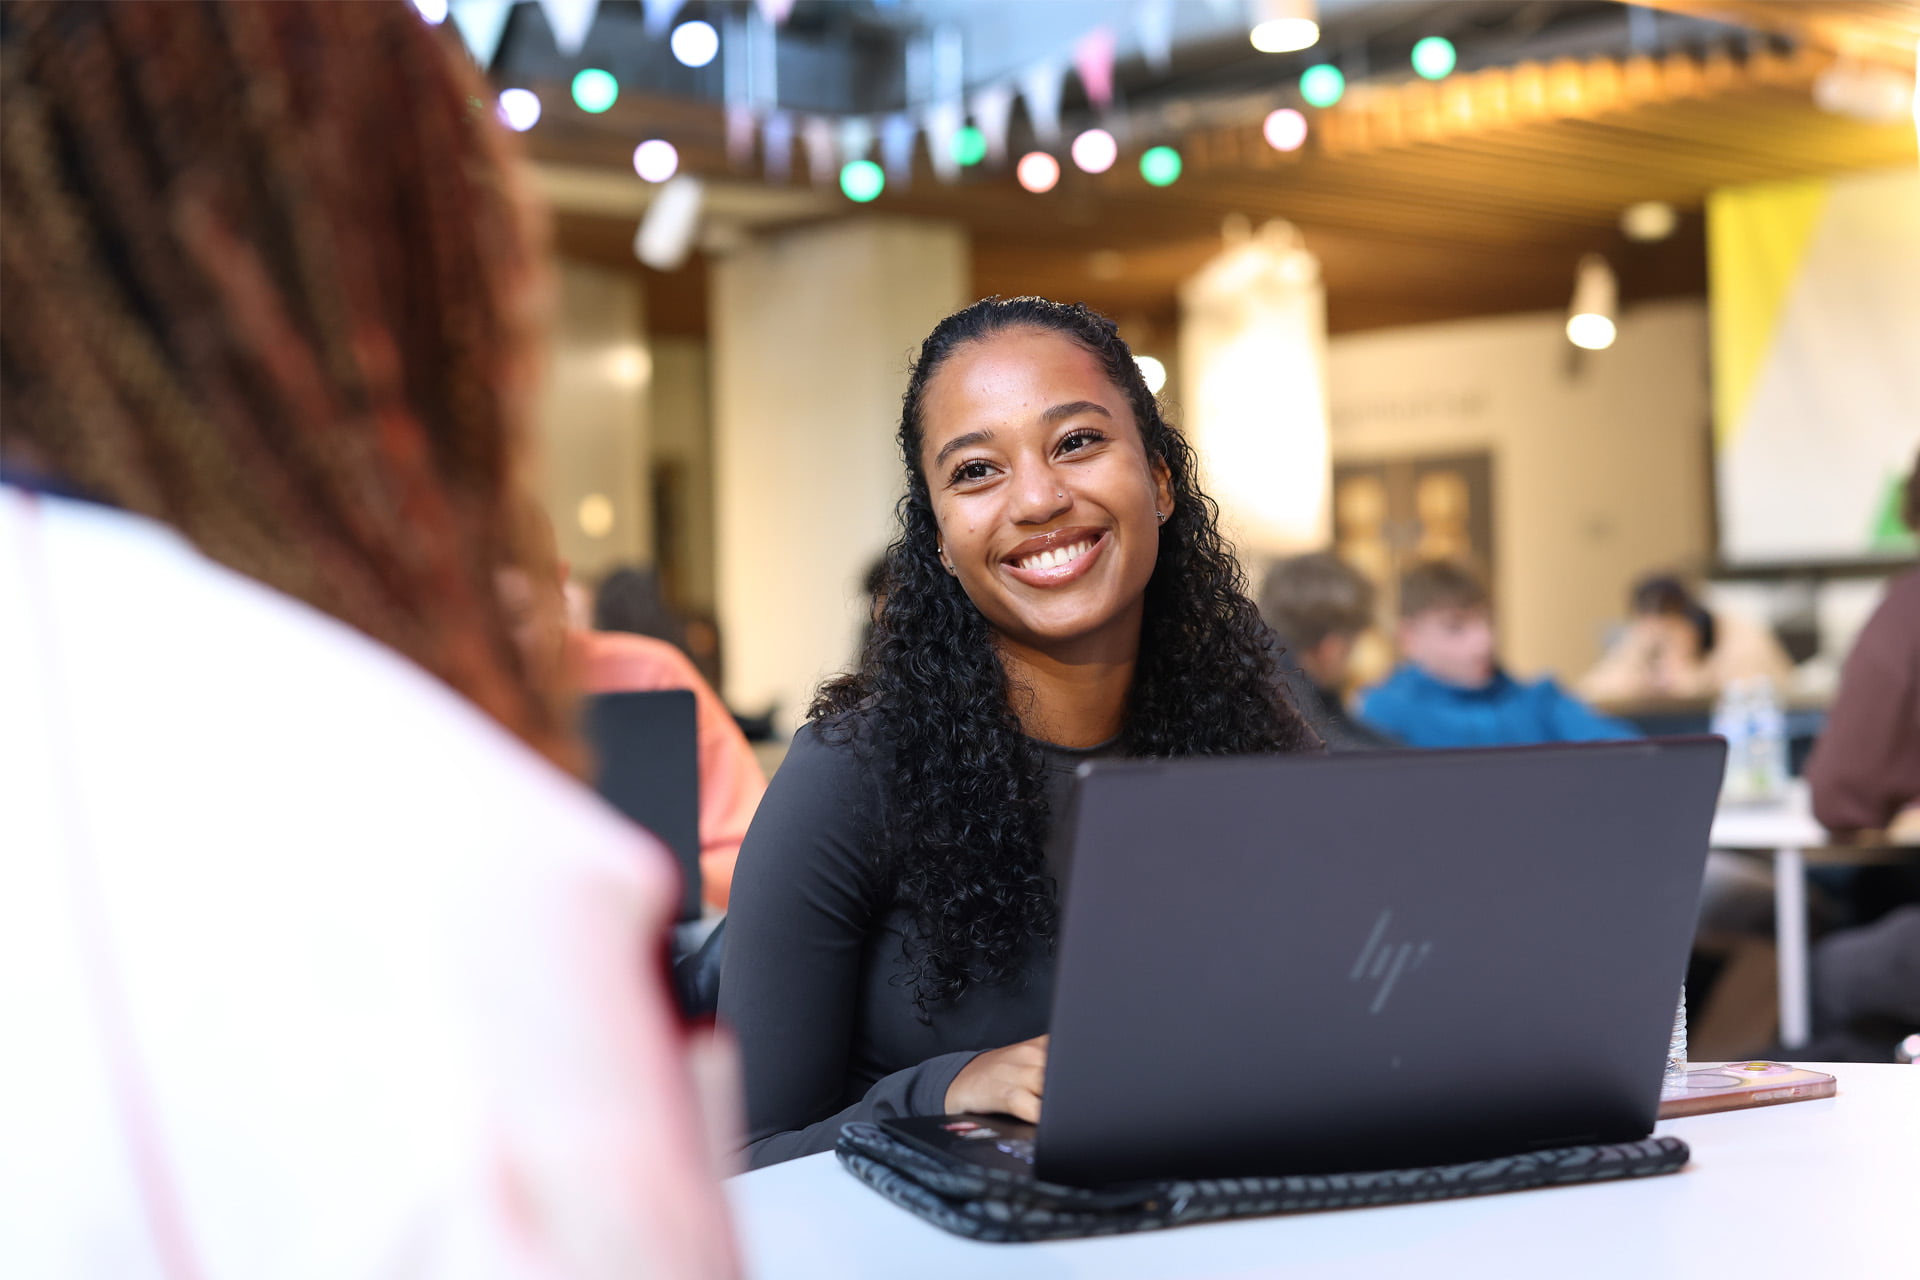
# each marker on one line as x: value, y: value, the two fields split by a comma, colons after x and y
x: 646, y: 749
x: 1293, y: 965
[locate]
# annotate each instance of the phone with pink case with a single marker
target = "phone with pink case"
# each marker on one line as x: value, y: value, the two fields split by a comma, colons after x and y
x: 1728, y: 1086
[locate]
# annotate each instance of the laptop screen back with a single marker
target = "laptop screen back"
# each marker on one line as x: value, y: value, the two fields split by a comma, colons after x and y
x: 646, y: 751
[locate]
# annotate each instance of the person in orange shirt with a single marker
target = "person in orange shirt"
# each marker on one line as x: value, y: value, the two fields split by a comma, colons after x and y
x: 731, y: 782
x: 594, y: 662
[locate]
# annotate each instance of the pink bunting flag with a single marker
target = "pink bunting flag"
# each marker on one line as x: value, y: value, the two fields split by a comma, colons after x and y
x: 741, y: 128
x: 774, y: 11
x: 823, y: 157
x: 1093, y: 59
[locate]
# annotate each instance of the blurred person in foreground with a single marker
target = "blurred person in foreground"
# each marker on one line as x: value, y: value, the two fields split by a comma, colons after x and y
x: 1449, y: 689
x: 1865, y: 774
x: 1318, y: 606
x: 1674, y: 647
x: 731, y: 781
x: 316, y: 957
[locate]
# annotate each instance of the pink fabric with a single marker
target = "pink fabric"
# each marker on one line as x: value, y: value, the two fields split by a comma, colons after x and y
x: 731, y: 782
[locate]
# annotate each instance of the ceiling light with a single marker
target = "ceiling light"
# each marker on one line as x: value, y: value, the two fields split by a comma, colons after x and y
x: 1285, y: 129
x: 1095, y: 151
x: 1596, y: 293
x: 1153, y: 371
x: 1038, y: 172
x: 969, y: 146
x: 1285, y: 35
x: 1649, y: 221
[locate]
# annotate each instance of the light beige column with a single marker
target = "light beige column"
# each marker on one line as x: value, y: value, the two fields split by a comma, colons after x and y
x: 592, y: 421
x: 1253, y: 336
x: 812, y: 332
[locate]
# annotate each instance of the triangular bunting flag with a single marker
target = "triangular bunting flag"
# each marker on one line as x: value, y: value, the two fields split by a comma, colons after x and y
x: 942, y: 121
x: 660, y: 16
x: 1040, y: 86
x: 1153, y: 28
x: 570, y: 20
x: 823, y: 160
x: 897, y: 136
x: 1093, y: 59
x: 992, y: 109
x: 776, y: 146
x: 740, y: 131
x: 856, y: 138
x: 481, y: 24
x: 774, y: 11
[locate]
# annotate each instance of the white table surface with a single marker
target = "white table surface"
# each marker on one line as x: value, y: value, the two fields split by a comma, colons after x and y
x: 1803, y: 1190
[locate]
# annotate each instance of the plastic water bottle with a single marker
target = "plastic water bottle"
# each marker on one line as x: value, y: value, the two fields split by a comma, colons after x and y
x: 1676, y: 1077
x: 1767, y: 743
x: 1732, y: 721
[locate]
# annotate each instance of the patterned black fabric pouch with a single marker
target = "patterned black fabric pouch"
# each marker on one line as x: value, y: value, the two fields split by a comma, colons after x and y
x: 996, y: 1206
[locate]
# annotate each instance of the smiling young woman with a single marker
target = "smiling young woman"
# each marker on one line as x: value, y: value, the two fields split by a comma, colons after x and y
x: 1059, y: 590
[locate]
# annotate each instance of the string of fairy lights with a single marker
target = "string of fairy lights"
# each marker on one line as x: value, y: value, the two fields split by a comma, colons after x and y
x: 1095, y: 150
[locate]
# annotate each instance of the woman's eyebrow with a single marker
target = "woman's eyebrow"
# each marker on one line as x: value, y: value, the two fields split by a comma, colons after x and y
x: 959, y: 442
x: 1060, y: 412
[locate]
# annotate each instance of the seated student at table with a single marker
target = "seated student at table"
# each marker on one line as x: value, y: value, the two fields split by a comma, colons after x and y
x: 1864, y: 774
x: 1318, y: 606
x: 1674, y: 647
x: 1059, y: 590
x: 594, y: 661
x: 316, y: 959
x: 1449, y: 689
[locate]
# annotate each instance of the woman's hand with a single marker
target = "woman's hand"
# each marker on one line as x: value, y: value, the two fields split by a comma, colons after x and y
x: 1005, y: 1081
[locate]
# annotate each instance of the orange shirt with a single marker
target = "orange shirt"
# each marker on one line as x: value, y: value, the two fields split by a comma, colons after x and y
x: 731, y: 783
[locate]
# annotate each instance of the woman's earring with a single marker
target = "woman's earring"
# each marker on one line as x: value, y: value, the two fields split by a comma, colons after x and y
x: 1161, y: 516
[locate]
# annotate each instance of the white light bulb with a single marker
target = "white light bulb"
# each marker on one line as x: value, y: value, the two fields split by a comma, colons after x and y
x: 1095, y: 151
x: 694, y: 43
x: 1038, y: 171
x: 1285, y: 129
x: 519, y: 109
x: 656, y: 160
x: 434, y: 11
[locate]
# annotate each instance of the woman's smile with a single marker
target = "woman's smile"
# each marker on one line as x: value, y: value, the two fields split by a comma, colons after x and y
x: 1055, y: 559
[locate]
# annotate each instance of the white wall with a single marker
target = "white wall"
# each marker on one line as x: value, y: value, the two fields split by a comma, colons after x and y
x: 1600, y: 459
x: 812, y: 333
x: 591, y: 420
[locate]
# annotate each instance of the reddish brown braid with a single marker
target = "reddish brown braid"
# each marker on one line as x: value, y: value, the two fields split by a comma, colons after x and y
x: 266, y: 275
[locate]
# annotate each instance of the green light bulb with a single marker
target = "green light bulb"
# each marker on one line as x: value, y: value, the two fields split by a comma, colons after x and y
x: 595, y: 90
x: 1160, y: 166
x: 1434, y: 58
x: 969, y: 146
x: 1322, y: 85
x: 862, y: 180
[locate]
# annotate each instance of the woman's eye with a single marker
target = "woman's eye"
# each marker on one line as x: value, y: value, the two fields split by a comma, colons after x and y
x: 1074, y: 441
x: 968, y: 472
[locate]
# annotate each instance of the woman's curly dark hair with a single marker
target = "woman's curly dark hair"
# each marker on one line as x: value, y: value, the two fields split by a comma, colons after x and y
x: 961, y: 839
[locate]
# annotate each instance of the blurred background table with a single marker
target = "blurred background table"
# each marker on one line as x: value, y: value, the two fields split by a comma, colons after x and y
x: 1786, y: 831
x: 1820, y: 1188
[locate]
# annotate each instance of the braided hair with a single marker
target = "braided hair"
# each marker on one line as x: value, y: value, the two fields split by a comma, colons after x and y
x: 266, y: 277
x: 961, y: 840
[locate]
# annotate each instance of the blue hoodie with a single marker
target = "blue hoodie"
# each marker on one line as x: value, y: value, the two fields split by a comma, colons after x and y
x: 1424, y: 712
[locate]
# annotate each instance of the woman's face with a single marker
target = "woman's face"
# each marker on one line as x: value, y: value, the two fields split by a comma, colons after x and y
x: 1043, y: 492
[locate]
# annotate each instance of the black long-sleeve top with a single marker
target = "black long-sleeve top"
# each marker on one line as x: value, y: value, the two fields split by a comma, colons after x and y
x: 814, y: 983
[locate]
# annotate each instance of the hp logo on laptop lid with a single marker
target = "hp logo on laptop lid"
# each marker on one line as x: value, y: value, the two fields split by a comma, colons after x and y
x: 1383, y: 962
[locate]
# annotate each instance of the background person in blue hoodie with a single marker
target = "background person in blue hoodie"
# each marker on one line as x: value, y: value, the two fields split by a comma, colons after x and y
x: 1449, y: 690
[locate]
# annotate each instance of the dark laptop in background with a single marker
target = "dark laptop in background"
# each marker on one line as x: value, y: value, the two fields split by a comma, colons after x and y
x: 1295, y: 965
x: 646, y: 749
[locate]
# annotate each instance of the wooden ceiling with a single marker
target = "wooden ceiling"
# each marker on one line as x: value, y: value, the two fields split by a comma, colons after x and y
x: 1424, y: 202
